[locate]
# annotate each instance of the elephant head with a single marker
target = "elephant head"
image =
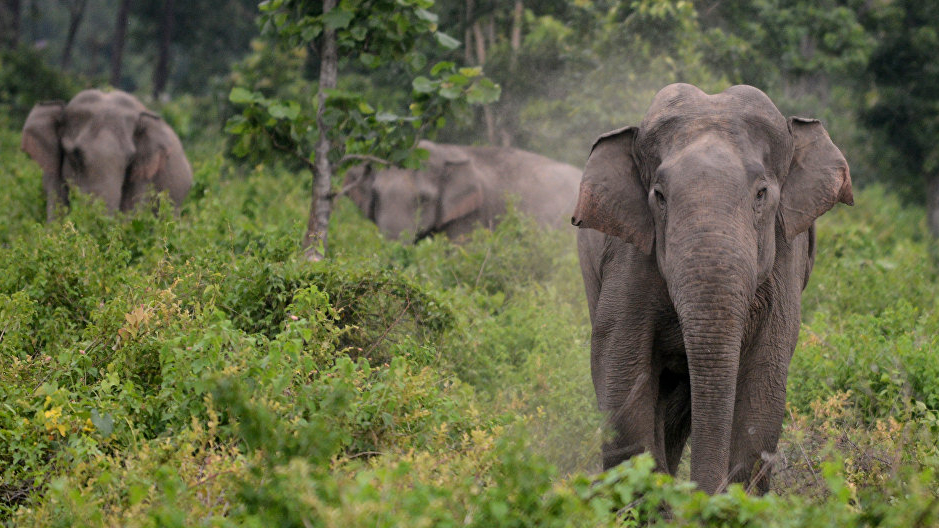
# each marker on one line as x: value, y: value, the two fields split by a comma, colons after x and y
x: 714, y: 186
x: 105, y: 144
x: 420, y: 202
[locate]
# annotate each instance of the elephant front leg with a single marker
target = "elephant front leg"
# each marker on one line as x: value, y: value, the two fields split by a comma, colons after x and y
x: 627, y: 387
x: 759, y: 411
x: 56, y: 193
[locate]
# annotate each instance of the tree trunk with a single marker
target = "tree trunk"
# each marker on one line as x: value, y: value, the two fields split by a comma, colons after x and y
x: 932, y: 205
x: 314, y: 241
x: 516, y: 34
x: 489, y: 117
x: 33, y: 17
x: 9, y: 23
x: 76, y: 13
x: 117, y: 45
x: 507, y: 123
x: 480, y: 44
x: 161, y: 73
x: 491, y: 31
x: 468, y: 33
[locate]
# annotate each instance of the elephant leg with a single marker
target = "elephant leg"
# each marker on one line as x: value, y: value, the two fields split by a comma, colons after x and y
x: 627, y: 388
x: 56, y: 194
x: 673, y: 416
x: 631, y: 407
x: 759, y: 411
x: 134, y: 192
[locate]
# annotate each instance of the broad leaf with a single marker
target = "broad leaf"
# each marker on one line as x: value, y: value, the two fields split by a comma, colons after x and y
x: 446, y: 40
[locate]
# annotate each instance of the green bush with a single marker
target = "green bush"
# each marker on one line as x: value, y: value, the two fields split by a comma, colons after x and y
x: 26, y: 79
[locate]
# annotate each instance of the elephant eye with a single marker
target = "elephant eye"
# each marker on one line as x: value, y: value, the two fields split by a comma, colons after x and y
x: 659, y: 198
x: 761, y: 194
x: 76, y: 158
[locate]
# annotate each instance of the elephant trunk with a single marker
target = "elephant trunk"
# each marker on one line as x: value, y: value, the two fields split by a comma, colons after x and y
x: 711, y: 281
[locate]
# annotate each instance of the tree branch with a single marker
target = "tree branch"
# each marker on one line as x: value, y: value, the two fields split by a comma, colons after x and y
x: 284, y: 148
x: 365, y: 157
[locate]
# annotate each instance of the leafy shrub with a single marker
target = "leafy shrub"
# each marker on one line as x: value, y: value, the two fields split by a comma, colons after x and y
x: 26, y: 79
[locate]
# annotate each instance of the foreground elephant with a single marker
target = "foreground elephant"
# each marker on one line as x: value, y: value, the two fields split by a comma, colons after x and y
x: 702, y: 238
x: 460, y: 187
x: 108, y: 145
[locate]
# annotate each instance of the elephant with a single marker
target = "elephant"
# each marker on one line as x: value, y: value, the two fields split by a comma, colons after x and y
x: 107, y: 145
x: 697, y: 238
x: 460, y: 187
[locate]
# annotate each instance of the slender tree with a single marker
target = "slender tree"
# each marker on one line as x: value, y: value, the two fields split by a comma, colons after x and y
x: 76, y: 11
x: 161, y: 72
x: 321, y: 205
x: 117, y: 44
x: 9, y: 23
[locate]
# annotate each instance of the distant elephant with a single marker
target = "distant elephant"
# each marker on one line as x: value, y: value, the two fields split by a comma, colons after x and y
x: 108, y: 145
x: 460, y: 187
x: 701, y: 240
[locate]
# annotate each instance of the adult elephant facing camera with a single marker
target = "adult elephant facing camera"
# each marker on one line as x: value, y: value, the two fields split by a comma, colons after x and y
x: 702, y: 238
x: 108, y: 145
x: 460, y: 187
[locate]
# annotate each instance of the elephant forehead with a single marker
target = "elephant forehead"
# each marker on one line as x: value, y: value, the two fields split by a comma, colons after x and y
x: 395, y: 181
x: 90, y: 120
x: 741, y: 116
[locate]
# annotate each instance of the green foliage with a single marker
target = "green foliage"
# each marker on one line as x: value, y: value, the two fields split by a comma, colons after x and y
x: 902, y: 101
x: 374, y: 35
x: 27, y: 79
x: 193, y: 370
x: 791, y: 45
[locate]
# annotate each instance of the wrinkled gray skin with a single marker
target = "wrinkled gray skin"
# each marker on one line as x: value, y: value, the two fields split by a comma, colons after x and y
x: 460, y: 187
x: 108, y: 145
x: 702, y: 238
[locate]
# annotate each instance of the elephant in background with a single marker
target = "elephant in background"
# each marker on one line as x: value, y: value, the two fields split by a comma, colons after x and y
x: 107, y: 145
x: 701, y: 239
x: 462, y: 186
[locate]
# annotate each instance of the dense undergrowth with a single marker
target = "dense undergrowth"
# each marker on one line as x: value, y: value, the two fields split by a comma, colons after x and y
x: 187, y: 371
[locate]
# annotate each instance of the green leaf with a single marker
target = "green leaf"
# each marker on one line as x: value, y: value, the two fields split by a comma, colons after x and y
x: 473, y: 72
x: 446, y: 41
x: 104, y: 424
x: 358, y: 33
x: 426, y: 15
x: 457, y: 80
x: 386, y: 117
x: 422, y: 84
x: 241, y: 95
x: 288, y: 110
x: 310, y: 32
x: 451, y: 92
x: 337, y: 18
x: 483, y: 91
x: 369, y: 60
x: 416, y: 60
x: 441, y: 66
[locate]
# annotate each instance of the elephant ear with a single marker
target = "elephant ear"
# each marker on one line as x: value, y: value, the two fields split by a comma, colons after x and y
x: 41, y: 136
x: 460, y: 193
x: 818, y: 177
x: 359, y: 188
x: 151, y: 141
x: 612, y: 198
